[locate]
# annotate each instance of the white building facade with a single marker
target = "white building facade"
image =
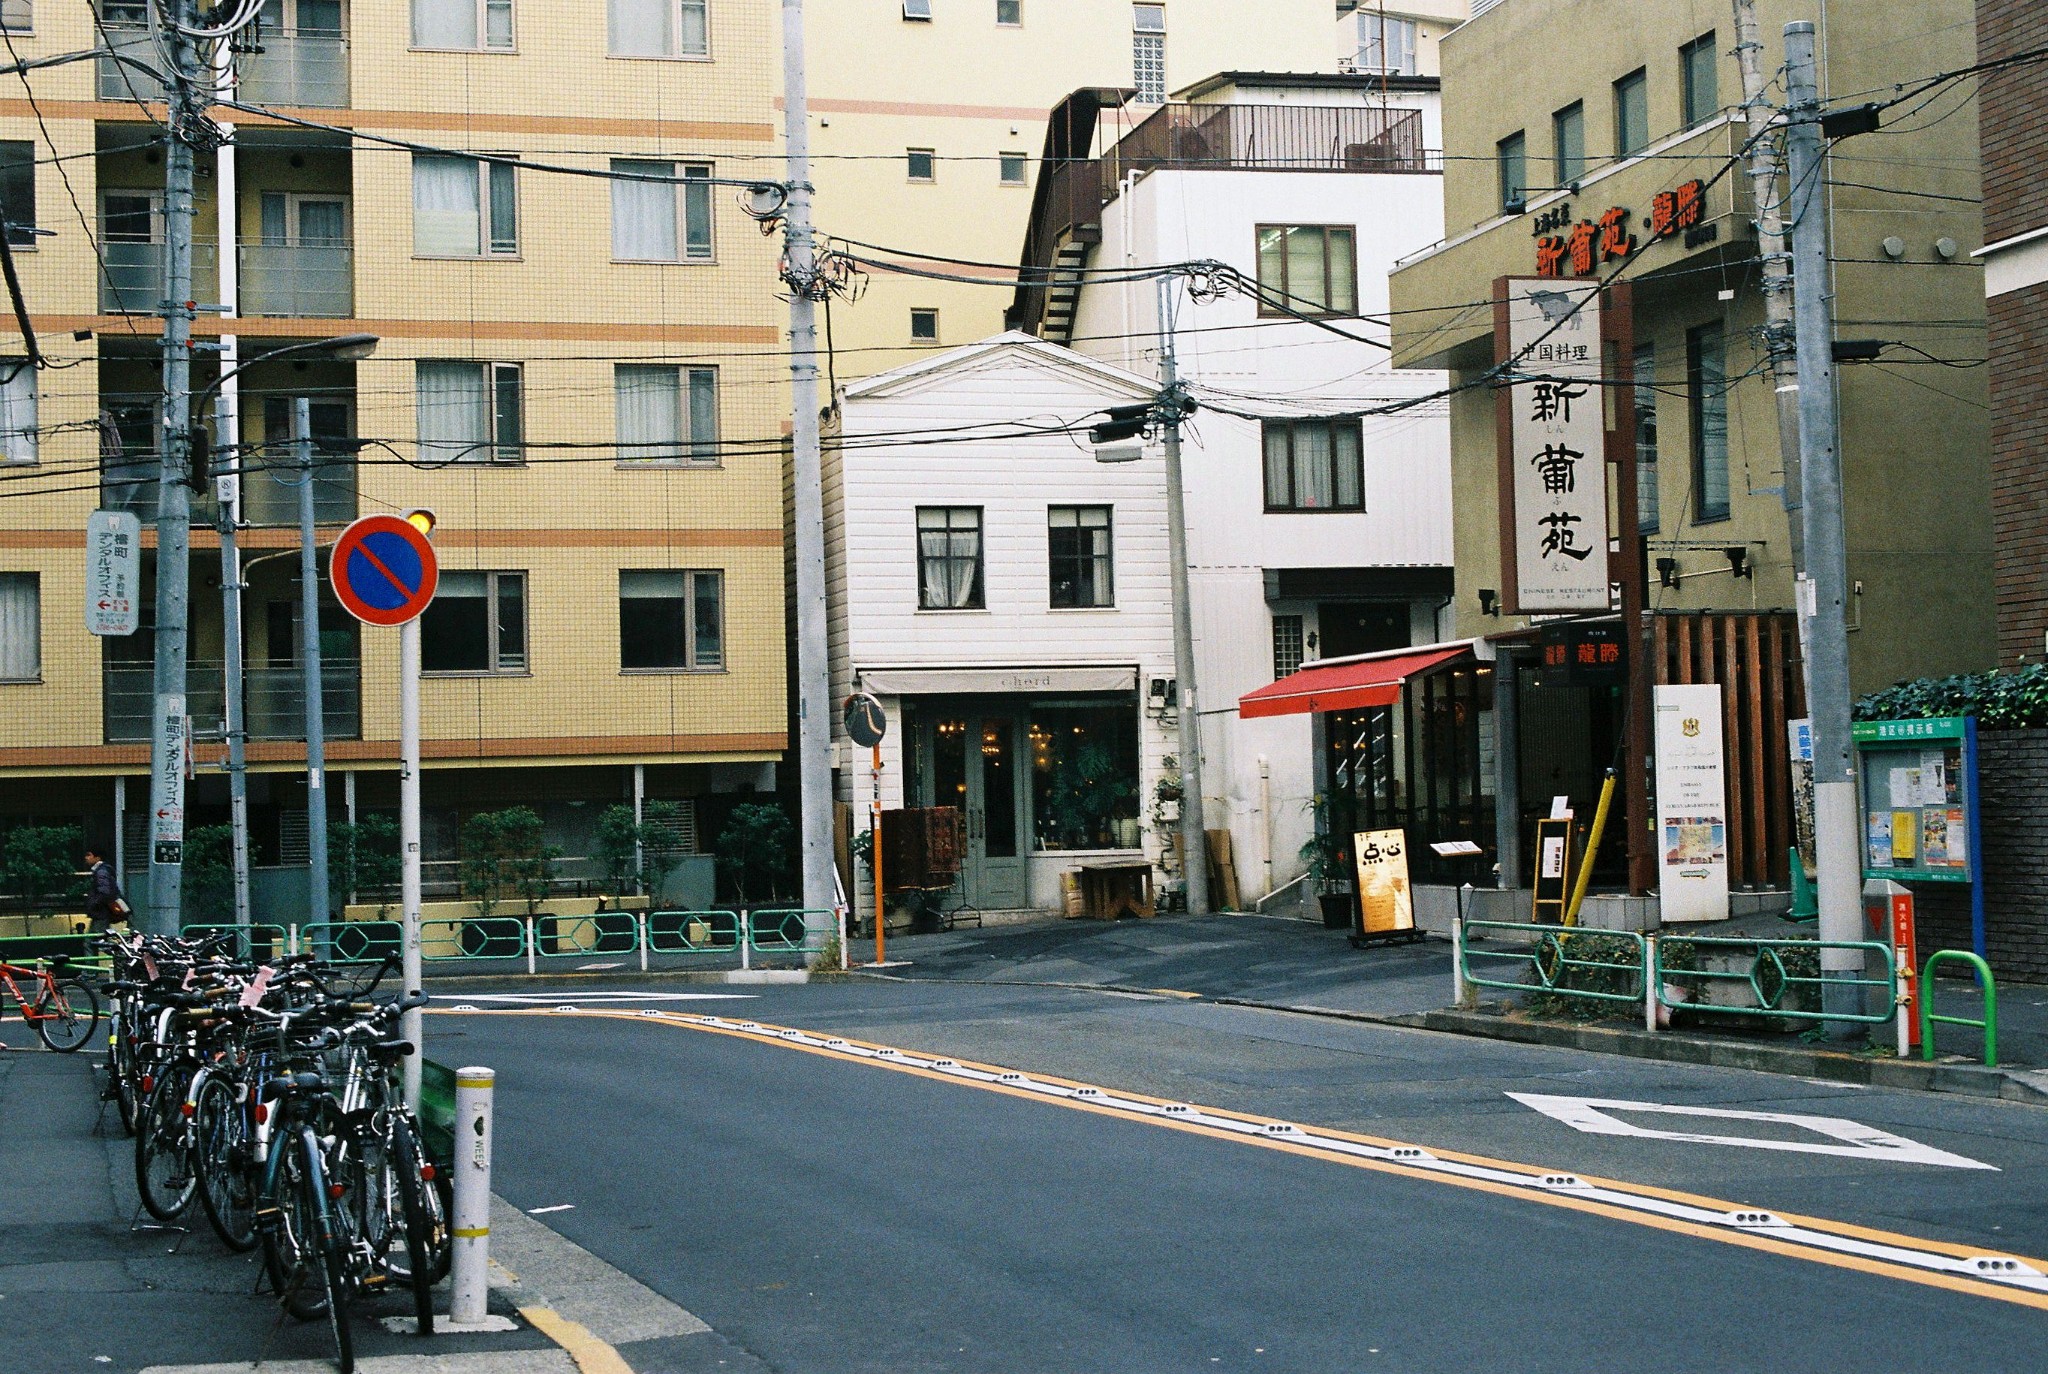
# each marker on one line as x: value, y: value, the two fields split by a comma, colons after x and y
x: 1006, y: 597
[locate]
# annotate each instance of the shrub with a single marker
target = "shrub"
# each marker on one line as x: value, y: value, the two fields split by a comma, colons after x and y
x: 2014, y: 699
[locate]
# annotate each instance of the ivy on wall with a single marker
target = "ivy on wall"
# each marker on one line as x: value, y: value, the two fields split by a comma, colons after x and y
x: 2002, y: 700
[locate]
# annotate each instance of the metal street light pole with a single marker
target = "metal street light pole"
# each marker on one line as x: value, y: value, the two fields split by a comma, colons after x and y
x: 316, y: 723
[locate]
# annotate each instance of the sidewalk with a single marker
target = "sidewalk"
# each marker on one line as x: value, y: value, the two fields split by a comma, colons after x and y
x: 1298, y: 966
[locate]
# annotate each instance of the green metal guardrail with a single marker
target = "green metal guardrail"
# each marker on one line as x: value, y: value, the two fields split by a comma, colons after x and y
x: 254, y: 941
x: 1779, y: 988
x: 574, y: 937
x: 472, y: 937
x: 693, y: 932
x: 780, y: 929
x: 1558, y: 960
x: 352, y: 942
x: 1928, y: 1019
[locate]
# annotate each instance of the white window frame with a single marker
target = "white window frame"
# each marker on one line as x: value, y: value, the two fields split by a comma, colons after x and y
x: 677, y: 10
x: 497, y: 663
x: 688, y: 448
x: 18, y: 406
x: 917, y: 310
x: 691, y: 662
x: 931, y: 157
x: 918, y: 11
x: 484, y: 10
x: 488, y: 175
x: 492, y: 447
x: 28, y: 666
x: 1148, y: 39
x: 1373, y: 31
x: 687, y: 173
x: 1016, y: 10
x: 293, y: 201
x: 1023, y: 161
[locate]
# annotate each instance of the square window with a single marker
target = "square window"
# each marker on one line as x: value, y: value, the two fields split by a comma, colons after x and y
x: 1314, y: 465
x: 666, y: 414
x: 949, y: 558
x: 1010, y: 12
x: 661, y: 211
x: 924, y: 325
x: 923, y: 164
x: 476, y: 623
x: 21, y: 627
x: 461, y: 208
x: 671, y: 620
x: 1308, y: 269
x: 1016, y: 169
x: 469, y: 412
x: 1078, y: 552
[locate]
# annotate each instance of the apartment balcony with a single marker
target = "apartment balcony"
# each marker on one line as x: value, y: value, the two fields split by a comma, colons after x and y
x: 274, y: 700
x: 1271, y: 138
x: 126, y: 80
x: 133, y: 283
x: 314, y: 281
x: 303, y: 68
x: 270, y: 496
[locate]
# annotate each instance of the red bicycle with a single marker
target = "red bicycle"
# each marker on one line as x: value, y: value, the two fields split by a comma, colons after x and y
x: 64, y: 1008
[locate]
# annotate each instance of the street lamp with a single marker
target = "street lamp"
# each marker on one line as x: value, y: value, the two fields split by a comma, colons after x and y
x: 227, y: 511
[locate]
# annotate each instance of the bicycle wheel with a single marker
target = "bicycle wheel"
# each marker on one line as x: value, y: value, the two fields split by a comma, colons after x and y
x: 221, y: 1155
x: 66, y: 1013
x: 426, y: 1227
x: 163, y: 1151
x: 121, y: 1073
x: 322, y: 1261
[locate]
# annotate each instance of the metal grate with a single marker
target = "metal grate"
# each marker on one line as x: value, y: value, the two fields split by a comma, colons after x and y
x: 1286, y: 645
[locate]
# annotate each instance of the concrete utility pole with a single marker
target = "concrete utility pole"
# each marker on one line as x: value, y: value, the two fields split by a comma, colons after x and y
x: 1766, y: 188
x: 169, y: 747
x: 227, y: 498
x: 1194, y: 846
x: 813, y: 708
x: 1837, y: 833
x: 317, y: 904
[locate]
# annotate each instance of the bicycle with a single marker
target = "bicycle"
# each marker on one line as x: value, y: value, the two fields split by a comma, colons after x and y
x: 63, y: 1008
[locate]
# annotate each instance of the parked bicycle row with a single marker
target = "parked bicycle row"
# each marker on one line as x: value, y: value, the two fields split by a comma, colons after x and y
x: 268, y: 1098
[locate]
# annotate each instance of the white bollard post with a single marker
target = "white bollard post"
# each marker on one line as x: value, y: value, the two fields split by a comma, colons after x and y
x: 1458, y: 960
x: 1650, y: 979
x: 471, y: 1225
x: 1902, y: 982
x: 640, y: 927
x: 530, y: 946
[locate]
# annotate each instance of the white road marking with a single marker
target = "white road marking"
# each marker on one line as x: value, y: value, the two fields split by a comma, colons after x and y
x: 549, y: 999
x: 1844, y: 1138
x: 558, y: 1207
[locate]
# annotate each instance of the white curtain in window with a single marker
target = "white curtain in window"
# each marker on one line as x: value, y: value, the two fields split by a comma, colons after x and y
x: 1313, y: 489
x: 704, y: 413
x: 650, y: 412
x: 17, y: 411
x: 21, y: 632
x: 454, y: 412
x: 444, y: 24
x: 695, y: 39
x: 445, y: 213
x: 948, y: 561
x: 1279, y: 491
x: 643, y: 28
x: 644, y: 213
x: 697, y: 215
x: 1350, y: 465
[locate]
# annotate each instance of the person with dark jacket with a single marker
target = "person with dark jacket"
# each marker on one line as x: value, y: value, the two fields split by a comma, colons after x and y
x: 104, y: 904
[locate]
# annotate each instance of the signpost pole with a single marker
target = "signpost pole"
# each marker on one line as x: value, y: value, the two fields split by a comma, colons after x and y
x: 318, y: 905
x: 413, y: 1025
x: 875, y: 849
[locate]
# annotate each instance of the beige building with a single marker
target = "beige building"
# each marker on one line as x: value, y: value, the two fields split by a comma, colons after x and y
x: 929, y: 121
x: 582, y: 376
x: 1624, y: 153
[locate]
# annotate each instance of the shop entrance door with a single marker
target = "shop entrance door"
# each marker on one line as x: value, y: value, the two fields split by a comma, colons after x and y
x: 974, y: 757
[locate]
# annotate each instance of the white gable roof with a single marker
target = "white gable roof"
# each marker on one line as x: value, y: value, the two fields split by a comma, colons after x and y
x: 1008, y: 349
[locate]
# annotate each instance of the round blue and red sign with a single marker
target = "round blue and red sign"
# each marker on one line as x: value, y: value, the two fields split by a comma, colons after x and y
x: 383, y: 570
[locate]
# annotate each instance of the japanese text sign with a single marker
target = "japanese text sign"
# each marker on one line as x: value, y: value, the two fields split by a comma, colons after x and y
x: 1692, y: 804
x: 1556, y: 528
x: 113, y: 573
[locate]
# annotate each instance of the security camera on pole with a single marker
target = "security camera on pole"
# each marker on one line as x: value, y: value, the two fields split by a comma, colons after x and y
x: 384, y: 573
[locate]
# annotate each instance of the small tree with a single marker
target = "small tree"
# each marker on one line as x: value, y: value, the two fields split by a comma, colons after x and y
x: 504, y: 854
x: 755, y: 847
x: 363, y: 857
x: 42, y: 861
x: 209, y: 874
x: 638, y: 854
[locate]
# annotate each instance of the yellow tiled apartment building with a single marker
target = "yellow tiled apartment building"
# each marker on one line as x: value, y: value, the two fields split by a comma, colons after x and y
x: 583, y: 377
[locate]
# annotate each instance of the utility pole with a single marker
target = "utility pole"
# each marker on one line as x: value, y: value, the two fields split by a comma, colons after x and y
x: 813, y: 710
x: 169, y: 746
x: 1194, y: 848
x: 1766, y: 189
x: 227, y: 499
x: 317, y: 902
x: 1824, y: 601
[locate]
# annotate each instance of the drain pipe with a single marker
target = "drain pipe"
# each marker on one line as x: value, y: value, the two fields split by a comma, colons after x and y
x: 1266, y: 817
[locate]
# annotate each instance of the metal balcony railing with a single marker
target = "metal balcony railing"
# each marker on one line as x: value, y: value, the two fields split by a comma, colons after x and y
x: 274, y: 700
x: 309, y: 69
x: 133, y: 282
x: 316, y: 280
x: 1286, y: 138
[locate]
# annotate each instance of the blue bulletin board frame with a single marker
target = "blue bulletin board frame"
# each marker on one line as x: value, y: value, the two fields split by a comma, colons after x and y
x: 1877, y: 743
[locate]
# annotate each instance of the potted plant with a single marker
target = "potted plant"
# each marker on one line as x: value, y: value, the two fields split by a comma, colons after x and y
x: 1326, y: 862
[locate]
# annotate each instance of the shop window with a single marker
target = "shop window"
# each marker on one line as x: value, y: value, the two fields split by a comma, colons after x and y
x: 1084, y: 776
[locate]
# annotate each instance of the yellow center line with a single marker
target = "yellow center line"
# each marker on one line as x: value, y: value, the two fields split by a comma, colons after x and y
x: 769, y: 1035
x: 592, y: 1355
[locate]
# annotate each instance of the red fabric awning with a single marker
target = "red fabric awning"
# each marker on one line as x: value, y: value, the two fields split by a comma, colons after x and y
x: 1343, y: 686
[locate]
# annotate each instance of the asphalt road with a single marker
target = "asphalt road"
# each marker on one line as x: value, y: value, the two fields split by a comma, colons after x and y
x: 829, y: 1215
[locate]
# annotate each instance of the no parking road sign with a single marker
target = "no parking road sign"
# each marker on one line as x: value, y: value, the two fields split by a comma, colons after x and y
x: 383, y: 570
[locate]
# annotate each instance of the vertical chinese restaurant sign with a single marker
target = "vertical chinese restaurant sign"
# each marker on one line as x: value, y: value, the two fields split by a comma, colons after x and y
x: 1554, y: 479
x: 1386, y: 903
x: 1692, y: 805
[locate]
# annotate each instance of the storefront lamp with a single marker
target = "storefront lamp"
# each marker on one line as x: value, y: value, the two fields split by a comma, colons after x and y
x: 1489, y: 601
x: 1667, y: 571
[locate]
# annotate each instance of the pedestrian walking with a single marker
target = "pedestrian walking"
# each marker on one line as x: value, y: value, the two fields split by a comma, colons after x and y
x: 104, y: 904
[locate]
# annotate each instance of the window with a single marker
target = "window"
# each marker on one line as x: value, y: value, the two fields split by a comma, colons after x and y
x: 291, y: 219
x: 462, y: 24
x: 17, y: 411
x: 671, y: 621
x: 667, y: 414
x: 463, y: 208
x: 1706, y: 387
x: 1148, y: 53
x: 1649, y: 509
x: 476, y: 623
x: 1386, y: 44
x: 1632, y: 113
x: 321, y: 17
x: 1078, y: 549
x: 664, y: 220
x: 923, y: 164
x: 917, y: 9
x: 1286, y: 645
x: 18, y: 192
x: 21, y: 627
x: 1512, y: 153
x: 131, y: 216
x: 18, y: 16
x: 1010, y: 13
x: 1314, y: 465
x: 468, y: 412
x: 1084, y: 776
x: 1568, y: 131
x: 1699, y: 75
x: 1307, y: 269
x: 949, y: 558
x: 1016, y: 169
x: 924, y: 325
x: 659, y: 28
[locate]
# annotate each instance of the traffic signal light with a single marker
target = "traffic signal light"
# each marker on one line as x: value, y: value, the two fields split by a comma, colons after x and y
x: 1124, y: 422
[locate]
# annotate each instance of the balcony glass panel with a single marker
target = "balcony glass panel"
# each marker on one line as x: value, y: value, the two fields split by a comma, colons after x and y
x: 275, y: 700
x: 298, y: 279
x: 297, y: 68
x: 134, y: 280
